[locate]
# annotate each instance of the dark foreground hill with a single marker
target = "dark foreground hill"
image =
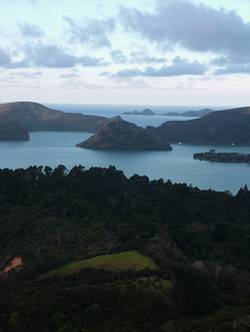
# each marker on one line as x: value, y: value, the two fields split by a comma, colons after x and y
x: 118, y: 134
x: 222, y: 127
x: 36, y: 117
x: 13, y: 131
x: 91, y: 250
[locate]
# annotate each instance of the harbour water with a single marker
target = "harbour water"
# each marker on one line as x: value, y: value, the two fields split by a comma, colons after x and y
x: 53, y: 148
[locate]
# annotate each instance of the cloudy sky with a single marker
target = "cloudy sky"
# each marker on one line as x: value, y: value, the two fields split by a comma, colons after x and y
x: 169, y: 52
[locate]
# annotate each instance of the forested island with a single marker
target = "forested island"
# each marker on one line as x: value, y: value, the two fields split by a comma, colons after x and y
x: 223, y: 157
x: 92, y: 250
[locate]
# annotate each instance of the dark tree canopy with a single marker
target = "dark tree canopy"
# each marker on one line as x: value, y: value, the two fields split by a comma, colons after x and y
x: 198, y: 239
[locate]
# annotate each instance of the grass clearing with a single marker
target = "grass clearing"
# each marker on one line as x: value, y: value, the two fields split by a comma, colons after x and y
x: 125, y: 261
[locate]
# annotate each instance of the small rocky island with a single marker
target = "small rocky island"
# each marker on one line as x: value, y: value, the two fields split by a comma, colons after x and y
x: 223, y: 157
x: 118, y: 134
x: 13, y: 131
x: 147, y: 111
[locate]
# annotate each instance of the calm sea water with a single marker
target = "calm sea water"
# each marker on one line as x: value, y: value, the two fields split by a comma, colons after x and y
x: 53, y: 148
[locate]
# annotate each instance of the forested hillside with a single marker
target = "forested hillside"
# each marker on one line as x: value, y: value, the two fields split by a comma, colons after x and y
x: 91, y: 250
x: 221, y: 127
x: 37, y: 117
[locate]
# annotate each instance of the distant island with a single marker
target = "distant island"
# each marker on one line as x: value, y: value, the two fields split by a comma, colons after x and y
x: 223, y: 157
x: 118, y: 134
x: 13, y: 131
x: 191, y: 114
x: 147, y: 111
x: 229, y: 127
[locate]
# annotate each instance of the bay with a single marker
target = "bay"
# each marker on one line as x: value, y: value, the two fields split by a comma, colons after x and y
x: 54, y: 148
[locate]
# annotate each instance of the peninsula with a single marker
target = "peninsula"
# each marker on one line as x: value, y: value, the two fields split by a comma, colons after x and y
x: 36, y: 117
x: 228, y: 127
x: 223, y: 157
x: 118, y: 134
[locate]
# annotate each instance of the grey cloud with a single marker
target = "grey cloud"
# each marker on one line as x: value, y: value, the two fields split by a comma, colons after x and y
x: 220, y: 61
x: 30, y: 30
x: 5, y: 59
x: 52, y: 56
x: 88, y: 61
x: 47, y: 56
x: 144, y: 57
x: 231, y: 65
x: 178, y: 67
x: 138, y: 57
x: 70, y: 75
x: 25, y: 74
x: 234, y: 68
x: 7, y: 62
x: 236, y: 59
x: 194, y: 27
x: 118, y: 56
x: 91, y: 31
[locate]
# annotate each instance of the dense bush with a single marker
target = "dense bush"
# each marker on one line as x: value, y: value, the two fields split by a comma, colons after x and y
x: 200, y: 241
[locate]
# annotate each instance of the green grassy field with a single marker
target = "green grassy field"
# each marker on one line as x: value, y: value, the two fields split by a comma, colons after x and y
x: 131, y: 260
